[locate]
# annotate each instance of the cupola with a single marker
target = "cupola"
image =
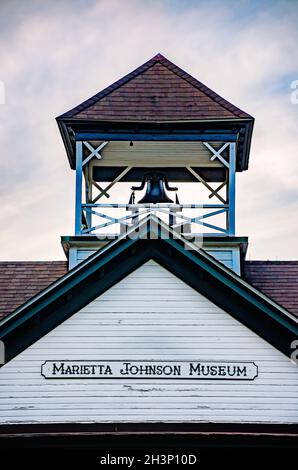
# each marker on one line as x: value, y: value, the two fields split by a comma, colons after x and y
x: 158, y: 142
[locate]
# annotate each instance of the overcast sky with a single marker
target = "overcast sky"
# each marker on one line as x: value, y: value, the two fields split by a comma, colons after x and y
x: 54, y: 54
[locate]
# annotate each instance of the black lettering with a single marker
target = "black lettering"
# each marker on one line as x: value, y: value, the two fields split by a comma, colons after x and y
x: 68, y: 370
x: 241, y: 371
x: 108, y: 371
x: 193, y: 369
x: 125, y: 371
x: 133, y: 370
x: 58, y: 369
x: 231, y: 370
x: 222, y: 370
x: 205, y: 370
x: 167, y: 370
x: 177, y: 370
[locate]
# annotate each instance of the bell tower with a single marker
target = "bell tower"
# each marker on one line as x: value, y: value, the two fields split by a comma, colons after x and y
x: 158, y: 142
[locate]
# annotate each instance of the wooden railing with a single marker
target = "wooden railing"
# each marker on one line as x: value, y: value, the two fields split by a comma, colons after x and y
x: 186, y: 218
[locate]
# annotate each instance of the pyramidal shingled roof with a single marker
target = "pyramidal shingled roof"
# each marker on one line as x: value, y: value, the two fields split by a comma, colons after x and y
x: 156, y: 91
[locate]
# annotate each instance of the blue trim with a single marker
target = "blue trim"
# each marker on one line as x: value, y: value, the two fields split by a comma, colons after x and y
x: 79, y: 180
x: 231, y: 190
x: 168, y: 137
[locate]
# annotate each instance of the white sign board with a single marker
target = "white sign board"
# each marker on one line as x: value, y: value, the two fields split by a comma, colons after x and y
x: 130, y: 369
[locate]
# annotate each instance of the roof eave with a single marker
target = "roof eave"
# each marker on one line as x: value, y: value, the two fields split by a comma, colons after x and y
x: 248, y: 123
x: 62, y: 126
x: 247, y: 145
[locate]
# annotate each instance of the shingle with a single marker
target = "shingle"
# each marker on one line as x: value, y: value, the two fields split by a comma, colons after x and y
x: 130, y: 98
x: 19, y: 281
x: 277, y: 279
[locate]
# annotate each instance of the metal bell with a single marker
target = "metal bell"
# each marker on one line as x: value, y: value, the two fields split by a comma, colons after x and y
x: 155, y: 189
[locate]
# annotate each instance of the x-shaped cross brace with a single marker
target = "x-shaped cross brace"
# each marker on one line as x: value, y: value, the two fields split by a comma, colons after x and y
x: 214, y: 192
x: 217, y: 153
x: 93, y: 152
x: 104, y: 192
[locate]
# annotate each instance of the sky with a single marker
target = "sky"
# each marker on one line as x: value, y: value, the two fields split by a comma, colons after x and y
x: 55, y: 54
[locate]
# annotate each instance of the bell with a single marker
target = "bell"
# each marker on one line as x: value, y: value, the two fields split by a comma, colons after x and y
x: 155, y: 190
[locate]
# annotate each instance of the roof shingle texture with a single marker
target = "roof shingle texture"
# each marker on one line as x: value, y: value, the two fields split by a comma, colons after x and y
x: 276, y: 279
x: 19, y: 281
x: 157, y: 90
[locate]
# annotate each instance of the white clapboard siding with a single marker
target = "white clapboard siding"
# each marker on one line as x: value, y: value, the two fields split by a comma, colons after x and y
x: 229, y: 257
x: 150, y: 315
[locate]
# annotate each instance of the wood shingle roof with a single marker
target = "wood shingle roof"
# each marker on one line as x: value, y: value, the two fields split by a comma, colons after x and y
x: 156, y: 91
x: 277, y: 279
x: 21, y: 280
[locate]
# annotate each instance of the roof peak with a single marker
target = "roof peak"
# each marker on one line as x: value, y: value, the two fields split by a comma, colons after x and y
x: 159, y: 56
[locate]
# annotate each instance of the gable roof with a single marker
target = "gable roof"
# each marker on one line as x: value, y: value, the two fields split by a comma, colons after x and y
x: 152, y: 240
x: 21, y: 280
x: 156, y: 91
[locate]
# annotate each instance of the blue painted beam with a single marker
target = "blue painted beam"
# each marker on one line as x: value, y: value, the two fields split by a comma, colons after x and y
x: 79, y: 179
x: 156, y: 137
x: 232, y: 190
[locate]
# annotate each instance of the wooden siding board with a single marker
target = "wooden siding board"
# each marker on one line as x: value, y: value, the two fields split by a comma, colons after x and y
x: 113, y: 327
x: 119, y: 153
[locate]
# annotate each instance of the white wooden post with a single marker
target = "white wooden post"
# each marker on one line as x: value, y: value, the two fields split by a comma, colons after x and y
x: 78, y: 209
x: 88, y: 194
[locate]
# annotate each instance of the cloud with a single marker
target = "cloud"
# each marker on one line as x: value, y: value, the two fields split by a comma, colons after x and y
x: 54, y: 54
